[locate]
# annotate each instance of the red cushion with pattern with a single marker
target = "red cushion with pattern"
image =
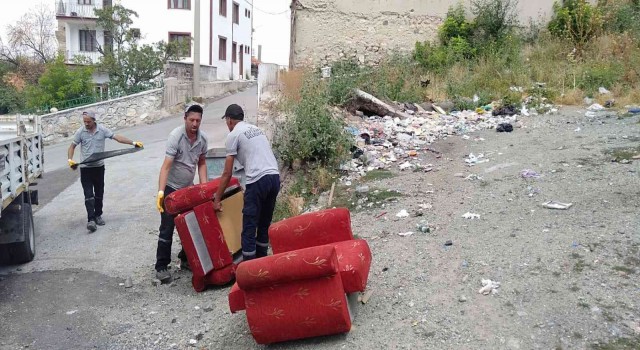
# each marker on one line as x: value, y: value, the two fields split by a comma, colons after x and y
x: 354, y: 262
x: 309, y: 263
x: 311, y: 229
x: 294, y: 296
x: 189, y: 197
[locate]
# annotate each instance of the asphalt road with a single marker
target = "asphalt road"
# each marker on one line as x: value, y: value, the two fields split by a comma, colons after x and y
x: 75, y: 270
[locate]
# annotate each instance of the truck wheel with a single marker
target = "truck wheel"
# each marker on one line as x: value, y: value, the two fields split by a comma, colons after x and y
x: 21, y: 252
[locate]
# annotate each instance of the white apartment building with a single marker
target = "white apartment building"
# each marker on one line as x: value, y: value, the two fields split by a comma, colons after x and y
x: 225, y: 30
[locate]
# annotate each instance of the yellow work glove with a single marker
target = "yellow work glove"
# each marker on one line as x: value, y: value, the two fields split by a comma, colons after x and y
x: 73, y: 165
x: 160, y: 201
x: 137, y: 144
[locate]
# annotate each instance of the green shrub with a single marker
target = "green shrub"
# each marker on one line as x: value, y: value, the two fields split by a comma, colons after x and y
x: 431, y: 57
x: 396, y: 78
x: 598, y: 74
x: 345, y: 76
x: 620, y: 16
x: 494, y: 20
x: 577, y: 21
x: 59, y: 83
x: 312, y: 134
x: 455, y: 25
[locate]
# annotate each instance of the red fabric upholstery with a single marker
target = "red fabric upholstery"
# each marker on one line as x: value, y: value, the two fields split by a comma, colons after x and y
x: 187, y: 198
x: 310, y: 230
x: 330, y: 226
x: 236, y: 299
x: 294, y: 295
x: 354, y: 262
x: 205, y: 247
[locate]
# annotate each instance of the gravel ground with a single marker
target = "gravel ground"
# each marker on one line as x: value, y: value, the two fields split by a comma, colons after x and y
x: 568, y: 278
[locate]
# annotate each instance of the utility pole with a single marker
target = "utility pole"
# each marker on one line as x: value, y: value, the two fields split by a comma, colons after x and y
x: 196, y: 49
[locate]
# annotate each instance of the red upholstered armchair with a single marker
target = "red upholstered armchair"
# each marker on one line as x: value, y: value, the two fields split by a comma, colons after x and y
x: 294, y: 295
x: 330, y: 226
x: 327, y: 230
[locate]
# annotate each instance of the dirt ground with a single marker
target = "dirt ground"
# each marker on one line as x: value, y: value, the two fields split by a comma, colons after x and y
x: 568, y: 278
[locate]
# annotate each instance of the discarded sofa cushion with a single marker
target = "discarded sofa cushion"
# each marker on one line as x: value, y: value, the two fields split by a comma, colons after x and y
x: 188, y: 198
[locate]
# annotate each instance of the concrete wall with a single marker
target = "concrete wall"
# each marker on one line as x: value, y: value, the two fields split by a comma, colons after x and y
x: 268, y: 74
x: 144, y: 107
x: 176, y: 92
x: 327, y: 30
x: 184, y: 71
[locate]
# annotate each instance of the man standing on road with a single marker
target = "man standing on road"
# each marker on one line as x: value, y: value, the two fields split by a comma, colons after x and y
x: 92, y: 138
x: 186, y: 151
x: 251, y: 147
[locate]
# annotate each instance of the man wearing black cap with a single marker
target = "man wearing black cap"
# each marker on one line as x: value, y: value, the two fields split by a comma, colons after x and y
x: 186, y: 151
x: 250, y: 146
x: 91, y: 138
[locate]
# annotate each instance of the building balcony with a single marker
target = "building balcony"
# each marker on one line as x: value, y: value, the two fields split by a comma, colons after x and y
x: 71, y: 9
x: 82, y: 57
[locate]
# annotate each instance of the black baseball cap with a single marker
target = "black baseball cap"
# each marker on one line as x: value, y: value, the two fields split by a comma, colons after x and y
x: 234, y: 112
x: 195, y: 107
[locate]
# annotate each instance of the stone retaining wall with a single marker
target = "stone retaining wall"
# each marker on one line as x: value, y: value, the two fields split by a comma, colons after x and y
x: 144, y: 107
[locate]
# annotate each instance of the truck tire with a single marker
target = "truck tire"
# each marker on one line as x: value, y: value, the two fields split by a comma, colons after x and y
x: 21, y: 252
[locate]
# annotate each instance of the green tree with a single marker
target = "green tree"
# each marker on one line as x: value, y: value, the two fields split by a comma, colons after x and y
x: 129, y: 64
x: 60, y: 83
x: 10, y: 99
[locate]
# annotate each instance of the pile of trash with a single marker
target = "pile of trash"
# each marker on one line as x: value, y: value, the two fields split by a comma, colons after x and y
x: 384, y: 142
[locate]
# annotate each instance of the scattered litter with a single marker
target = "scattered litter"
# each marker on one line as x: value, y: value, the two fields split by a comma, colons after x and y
x: 504, y: 127
x: 473, y: 177
x: 128, y: 283
x: 596, y: 107
x: 423, y: 226
x: 609, y: 103
x: 577, y: 130
x: 381, y: 215
x: 557, y: 205
x: 458, y: 175
x: 489, y: 287
x: 603, y: 91
x: 471, y: 216
x: 466, y: 137
x: 405, y: 234
x: 530, y: 174
x: 362, y: 189
x: 473, y: 160
x: 403, y: 214
x: 71, y: 312
x: 448, y: 243
x: 425, y: 206
x: 462, y: 299
x: 366, y: 296
x: 405, y: 166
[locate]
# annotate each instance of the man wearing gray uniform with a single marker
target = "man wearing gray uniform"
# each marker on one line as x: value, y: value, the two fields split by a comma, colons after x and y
x: 250, y: 146
x: 186, y: 151
x: 91, y: 138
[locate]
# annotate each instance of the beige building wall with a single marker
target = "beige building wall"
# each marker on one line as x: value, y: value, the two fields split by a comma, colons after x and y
x: 367, y: 30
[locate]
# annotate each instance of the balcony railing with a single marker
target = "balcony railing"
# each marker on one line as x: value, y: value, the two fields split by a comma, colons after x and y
x: 71, y: 8
x: 82, y: 57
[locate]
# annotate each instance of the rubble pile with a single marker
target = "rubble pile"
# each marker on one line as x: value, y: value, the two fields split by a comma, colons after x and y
x: 387, y: 142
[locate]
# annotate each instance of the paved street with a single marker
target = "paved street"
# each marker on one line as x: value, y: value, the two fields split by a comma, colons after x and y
x: 36, y: 303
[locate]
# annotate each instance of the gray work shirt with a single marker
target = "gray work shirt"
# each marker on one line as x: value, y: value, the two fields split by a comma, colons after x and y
x: 185, y: 157
x: 252, y: 149
x: 91, y: 143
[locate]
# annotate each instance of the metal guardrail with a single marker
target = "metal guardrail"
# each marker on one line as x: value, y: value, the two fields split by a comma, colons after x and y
x: 73, y: 9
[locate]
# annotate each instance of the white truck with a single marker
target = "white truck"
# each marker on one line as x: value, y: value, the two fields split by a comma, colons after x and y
x: 21, y: 163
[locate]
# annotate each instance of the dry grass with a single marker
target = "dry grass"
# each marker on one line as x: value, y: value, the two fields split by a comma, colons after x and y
x: 292, y: 81
x: 571, y: 97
